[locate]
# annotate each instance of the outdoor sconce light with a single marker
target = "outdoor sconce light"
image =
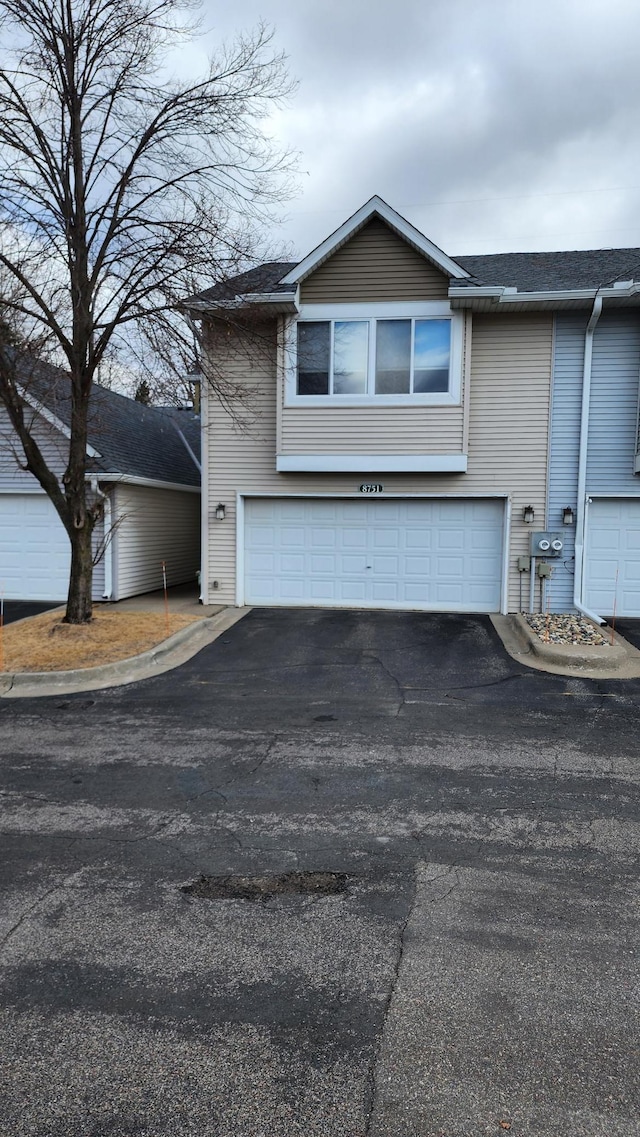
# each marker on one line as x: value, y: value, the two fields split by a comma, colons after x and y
x: 567, y: 516
x: 220, y: 512
x: 528, y: 514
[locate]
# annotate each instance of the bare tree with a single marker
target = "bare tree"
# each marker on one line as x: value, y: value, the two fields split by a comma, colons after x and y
x: 122, y: 190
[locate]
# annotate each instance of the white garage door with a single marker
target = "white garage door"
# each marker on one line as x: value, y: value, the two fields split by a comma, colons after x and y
x: 432, y: 554
x: 613, y: 543
x: 34, y: 549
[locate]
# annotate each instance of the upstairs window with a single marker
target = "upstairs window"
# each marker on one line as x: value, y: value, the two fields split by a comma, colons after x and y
x: 387, y: 359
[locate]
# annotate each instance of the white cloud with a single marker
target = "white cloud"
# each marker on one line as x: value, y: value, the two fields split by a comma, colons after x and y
x: 492, y: 124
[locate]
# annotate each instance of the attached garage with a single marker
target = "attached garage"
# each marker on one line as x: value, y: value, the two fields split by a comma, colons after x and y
x: 432, y: 554
x: 612, y: 569
x: 34, y: 549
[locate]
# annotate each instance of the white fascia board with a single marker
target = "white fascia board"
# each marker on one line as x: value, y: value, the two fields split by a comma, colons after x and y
x: 371, y: 464
x: 512, y: 296
x: 372, y: 208
x: 473, y: 291
x: 52, y: 419
x: 152, y: 483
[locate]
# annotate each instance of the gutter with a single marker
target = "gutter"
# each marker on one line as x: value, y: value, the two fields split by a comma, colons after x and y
x: 153, y: 483
x: 621, y: 289
x: 581, y: 512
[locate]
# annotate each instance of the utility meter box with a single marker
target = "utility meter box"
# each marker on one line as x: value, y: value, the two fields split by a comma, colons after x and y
x: 547, y: 544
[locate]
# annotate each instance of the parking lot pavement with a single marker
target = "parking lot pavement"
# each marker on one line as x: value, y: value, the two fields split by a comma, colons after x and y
x: 479, y: 966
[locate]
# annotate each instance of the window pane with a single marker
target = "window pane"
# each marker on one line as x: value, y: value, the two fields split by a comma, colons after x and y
x: 393, y: 355
x: 432, y: 353
x: 313, y: 358
x: 350, y: 351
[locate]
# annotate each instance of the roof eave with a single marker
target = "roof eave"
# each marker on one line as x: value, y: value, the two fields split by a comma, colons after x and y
x: 274, y: 302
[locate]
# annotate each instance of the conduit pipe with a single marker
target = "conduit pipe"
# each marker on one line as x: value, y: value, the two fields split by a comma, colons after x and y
x: 581, y: 512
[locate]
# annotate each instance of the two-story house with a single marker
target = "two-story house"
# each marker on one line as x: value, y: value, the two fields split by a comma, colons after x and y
x: 392, y: 449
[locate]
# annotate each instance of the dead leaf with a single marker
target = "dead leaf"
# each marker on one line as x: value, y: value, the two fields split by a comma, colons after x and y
x: 505, y: 1125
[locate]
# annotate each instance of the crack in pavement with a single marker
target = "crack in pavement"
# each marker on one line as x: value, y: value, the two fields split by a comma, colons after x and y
x: 373, y: 1065
x: 31, y: 908
x: 399, y: 688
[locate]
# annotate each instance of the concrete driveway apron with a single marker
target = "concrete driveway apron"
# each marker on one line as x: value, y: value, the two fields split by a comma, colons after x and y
x: 478, y: 972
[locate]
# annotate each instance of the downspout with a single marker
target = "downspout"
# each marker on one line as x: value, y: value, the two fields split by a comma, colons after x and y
x: 203, y: 466
x: 578, y: 579
x: 107, y: 540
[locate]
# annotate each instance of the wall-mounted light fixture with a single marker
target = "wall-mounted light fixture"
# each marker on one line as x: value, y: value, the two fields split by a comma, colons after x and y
x: 567, y: 515
x: 220, y: 512
x: 528, y: 514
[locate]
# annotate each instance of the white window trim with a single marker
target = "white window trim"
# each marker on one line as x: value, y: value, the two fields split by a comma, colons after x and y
x: 426, y: 310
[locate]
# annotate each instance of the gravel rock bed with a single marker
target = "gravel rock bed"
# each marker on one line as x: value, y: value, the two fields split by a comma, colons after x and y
x: 559, y: 629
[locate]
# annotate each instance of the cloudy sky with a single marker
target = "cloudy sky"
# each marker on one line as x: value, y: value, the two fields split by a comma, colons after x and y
x: 493, y: 125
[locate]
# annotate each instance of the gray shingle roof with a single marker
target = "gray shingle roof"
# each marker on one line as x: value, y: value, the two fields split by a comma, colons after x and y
x: 130, y: 438
x: 528, y: 272
x: 542, y: 272
x: 261, y: 279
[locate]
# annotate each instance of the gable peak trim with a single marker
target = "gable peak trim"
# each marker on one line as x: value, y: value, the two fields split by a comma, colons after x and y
x: 375, y: 207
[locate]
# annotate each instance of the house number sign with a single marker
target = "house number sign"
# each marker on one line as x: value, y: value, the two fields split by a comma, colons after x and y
x: 371, y: 487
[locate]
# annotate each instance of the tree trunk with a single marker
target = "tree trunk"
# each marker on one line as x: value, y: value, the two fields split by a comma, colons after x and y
x: 79, y: 597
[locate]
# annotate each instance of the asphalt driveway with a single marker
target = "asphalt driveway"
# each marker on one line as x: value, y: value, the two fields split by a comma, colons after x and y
x: 20, y: 609
x: 479, y: 970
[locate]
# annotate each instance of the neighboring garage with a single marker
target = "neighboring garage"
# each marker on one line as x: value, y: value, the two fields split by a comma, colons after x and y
x: 612, y: 570
x: 143, y: 465
x: 433, y: 554
x: 35, y: 552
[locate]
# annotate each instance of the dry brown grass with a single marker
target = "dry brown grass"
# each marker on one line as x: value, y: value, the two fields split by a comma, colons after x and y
x: 44, y: 643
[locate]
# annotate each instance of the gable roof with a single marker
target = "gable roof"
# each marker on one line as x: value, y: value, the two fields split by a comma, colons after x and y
x: 375, y: 207
x: 530, y: 276
x: 126, y: 438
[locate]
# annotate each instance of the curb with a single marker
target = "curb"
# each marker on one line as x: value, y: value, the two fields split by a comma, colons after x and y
x: 617, y: 661
x: 600, y: 657
x: 169, y: 653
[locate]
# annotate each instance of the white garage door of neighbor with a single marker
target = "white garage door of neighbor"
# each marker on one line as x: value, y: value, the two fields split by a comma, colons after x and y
x: 613, y: 544
x: 430, y: 554
x: 34, y: 549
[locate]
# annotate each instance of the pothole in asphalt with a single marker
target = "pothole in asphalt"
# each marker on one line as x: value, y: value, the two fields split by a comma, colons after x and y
x: 263, y: 887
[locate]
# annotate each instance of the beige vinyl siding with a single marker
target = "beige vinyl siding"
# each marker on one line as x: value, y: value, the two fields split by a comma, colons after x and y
x: 372, y: 430
x: 509, y: 420
x: 154, y: 525
x: 378, y: 265
x: 508, y: 423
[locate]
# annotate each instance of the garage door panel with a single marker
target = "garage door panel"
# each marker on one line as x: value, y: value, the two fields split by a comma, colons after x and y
x: 612, y: 570
x: 395, y: 553
x: 35, y: 555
